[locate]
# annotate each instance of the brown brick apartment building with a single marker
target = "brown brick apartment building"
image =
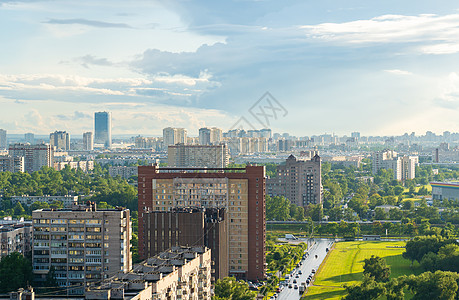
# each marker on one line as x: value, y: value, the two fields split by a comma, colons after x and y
x: 241, y: 191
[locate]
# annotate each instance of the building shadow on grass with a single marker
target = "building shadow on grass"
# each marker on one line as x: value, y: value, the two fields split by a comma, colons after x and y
x: 326, y: 295
x: 344, y: 278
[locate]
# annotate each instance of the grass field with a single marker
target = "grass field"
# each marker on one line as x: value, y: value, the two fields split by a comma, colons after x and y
x: 344, y: 265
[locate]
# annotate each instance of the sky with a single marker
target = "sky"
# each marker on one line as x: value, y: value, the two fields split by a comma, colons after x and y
x: 303, y: 67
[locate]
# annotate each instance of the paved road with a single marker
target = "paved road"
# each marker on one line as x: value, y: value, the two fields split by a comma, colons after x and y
x: 319, y: 249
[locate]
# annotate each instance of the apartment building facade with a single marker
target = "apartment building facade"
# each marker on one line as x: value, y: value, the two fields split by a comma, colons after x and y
x: 241, y: 191
x: 60, y: 140
x: 300, y: 181
x: 15, y: 237
x: 187, y: 156
x: 83, y: 244
x: 189, y: 227
x: 12, y: 164
x: 35, y: 156
x: 181, y: 273
x: 68, y: 201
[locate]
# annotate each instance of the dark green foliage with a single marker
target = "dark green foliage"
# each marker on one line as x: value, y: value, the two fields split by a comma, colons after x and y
x: 376, y: 268
x: 368, y: 290
x: 15, y: 272
x: 229, y: 288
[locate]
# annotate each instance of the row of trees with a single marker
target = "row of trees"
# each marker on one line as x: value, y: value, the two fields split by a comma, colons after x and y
x: 99, y: 185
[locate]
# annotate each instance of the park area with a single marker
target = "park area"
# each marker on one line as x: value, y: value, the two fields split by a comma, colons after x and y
x: 344, y: 266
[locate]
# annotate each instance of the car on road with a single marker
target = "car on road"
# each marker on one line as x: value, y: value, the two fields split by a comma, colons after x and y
x: 294, y: 280
x: 297, y: 276
x: 313, y: 271
x: 299, y: 272
x: 289, y: 285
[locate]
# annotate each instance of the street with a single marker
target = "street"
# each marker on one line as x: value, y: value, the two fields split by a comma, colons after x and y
x: 319, y: 249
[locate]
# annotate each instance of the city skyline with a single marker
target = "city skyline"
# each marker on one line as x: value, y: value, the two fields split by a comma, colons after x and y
x: 378, y: 68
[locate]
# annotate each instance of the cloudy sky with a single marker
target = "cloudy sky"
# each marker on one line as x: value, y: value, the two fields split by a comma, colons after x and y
x: 378, y: 67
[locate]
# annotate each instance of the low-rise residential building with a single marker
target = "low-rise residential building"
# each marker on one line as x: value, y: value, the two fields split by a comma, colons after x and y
x: 122, y: 171
x: 83, y: 165
x: 26, y: 200
x: 83, y: 244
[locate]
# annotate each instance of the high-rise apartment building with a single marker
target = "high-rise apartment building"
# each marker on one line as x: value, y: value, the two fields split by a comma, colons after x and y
x: 186, y: 156
x: 300, y: 181
x: 29, y: 138
x: 35, y: 156
x: 403, y: 167
x: 241, y: 191
x: 60, y: 140
x: 88, y: 141
x: 189, y: 227
x: 3, y: 142
x: 103, y: 128
x: 12, y: 164
x: 172, y: 136
x: 83, y: 244
x: 210, y: 136
x: 204, y: 136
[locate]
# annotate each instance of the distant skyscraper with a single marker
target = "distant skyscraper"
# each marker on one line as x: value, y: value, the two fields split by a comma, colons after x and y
x: 103, y: 128
x: 88, y: 141
x: 60, y: 140
x: 3, y: 143
x: 204, y: 136
x: 29, y: 138
x: 355, y: 134
x: 172, y: 136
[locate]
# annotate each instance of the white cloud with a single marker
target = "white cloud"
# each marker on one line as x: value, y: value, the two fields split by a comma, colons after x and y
x: 398, y: 72
x: 440, y: 33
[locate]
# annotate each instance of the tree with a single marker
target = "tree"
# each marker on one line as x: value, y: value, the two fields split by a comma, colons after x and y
x: 377, y: 268
x: 230, y: 288
x: 15, y: 272
x: 368, y: 290
x: 439, y: 285
x: 18, y: 209
x: 315, y: 211
x: 277, y: 208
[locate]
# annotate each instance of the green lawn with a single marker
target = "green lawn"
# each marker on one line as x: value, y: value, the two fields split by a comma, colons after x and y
x: 344, y: 265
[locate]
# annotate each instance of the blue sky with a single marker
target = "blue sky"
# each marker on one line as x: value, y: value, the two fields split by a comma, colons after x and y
x: 378, y: 67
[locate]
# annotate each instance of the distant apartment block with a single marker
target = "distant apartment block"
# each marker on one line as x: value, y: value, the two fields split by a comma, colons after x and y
x: 35, y: 156
x: 29, y: 138
x: 189, y: 227
x: 154, y: 143
x: 210, y: 136
x: 103, y: 128
x: 247, y: 145
x: 404, y: 168
x: 445, y: 190
x: 60, y: 140
x: 83, y: 244
x: 15, y: 237
x: 83, y: 165
x: 179, y: 273
x: 3, y: 141
x: 185, y: 156
x: 300, y: 181
x: 122, y: 171
x: 26, y: 200
x: 12, y: 164
x: 241, y: 191
x: 172, y: 136
x: 88, y: 141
